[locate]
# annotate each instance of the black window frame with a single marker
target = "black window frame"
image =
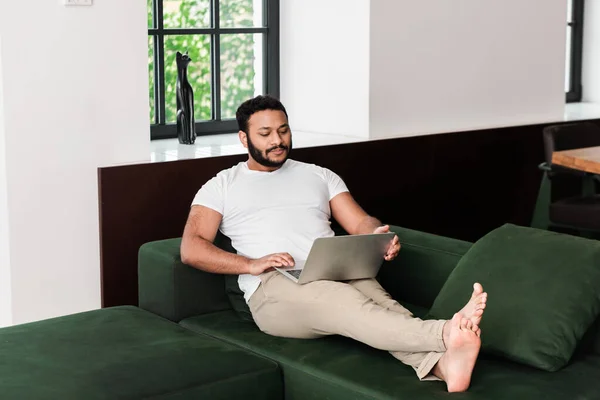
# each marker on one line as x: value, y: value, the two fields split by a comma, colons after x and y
x: 270, y: 30
x: 575, y: 91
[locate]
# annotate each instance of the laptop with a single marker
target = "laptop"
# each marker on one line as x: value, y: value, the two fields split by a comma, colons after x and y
x: 341, y: 258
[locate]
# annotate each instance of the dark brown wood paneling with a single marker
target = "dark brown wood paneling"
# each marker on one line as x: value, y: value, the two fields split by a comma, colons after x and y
x: 460, y: 185
x: 142, y: 203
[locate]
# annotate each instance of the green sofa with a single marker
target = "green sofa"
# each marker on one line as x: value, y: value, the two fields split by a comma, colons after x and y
x: 337, y: 367
x: 186, y: 341
x: 127, y: 353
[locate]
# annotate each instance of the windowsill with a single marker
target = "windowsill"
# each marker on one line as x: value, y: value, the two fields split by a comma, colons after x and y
x: 229, y: 144
x: 581, y: 111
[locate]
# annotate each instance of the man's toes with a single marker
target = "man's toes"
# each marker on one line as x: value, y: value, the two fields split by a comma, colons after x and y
x: 477, y: 288
x: 474, y: 327
x: 480, y: 301
x: 464, y: 324
x: 469, y: 324
x: 478, y: 332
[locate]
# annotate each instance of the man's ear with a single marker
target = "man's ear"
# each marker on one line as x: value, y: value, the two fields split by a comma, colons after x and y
x: 243, y: 138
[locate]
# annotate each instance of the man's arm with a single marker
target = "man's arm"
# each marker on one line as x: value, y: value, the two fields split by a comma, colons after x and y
x: 356, y: 221
x: 198, y: 250
x: 351, y: 216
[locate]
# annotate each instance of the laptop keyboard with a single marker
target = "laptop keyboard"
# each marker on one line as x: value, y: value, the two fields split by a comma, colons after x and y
x: 295, y: 273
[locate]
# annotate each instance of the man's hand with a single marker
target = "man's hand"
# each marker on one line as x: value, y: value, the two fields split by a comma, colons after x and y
x: 260, y: 265
x: 394, y: 245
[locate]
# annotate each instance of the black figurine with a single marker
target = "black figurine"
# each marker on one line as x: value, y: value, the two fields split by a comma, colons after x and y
x: 186, y: 132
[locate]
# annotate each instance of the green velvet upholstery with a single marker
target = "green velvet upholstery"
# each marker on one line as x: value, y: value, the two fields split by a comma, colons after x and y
x: 232, y: 289
x: 176, y: 291
x: 127, y: 353
x: 236, y: 298
x: 543, y: 293
x: 590, y: 343
x: 339, y: 368
x: 173, y: 290
x: 424, y: 263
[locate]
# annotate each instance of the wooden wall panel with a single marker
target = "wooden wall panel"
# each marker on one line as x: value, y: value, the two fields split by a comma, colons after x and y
x: 460, y: 185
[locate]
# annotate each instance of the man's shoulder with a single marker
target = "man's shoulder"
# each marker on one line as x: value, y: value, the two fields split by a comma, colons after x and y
x: 226, y: 176
x: 231, y: 171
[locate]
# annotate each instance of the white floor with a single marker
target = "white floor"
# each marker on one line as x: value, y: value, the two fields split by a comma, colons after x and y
x: 229, y: 144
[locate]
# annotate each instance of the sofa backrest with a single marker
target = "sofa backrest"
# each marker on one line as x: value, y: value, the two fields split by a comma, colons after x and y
x: 176, y: 291
x: 424, y: 263
x: 590, y: 343
x: 596, y: 333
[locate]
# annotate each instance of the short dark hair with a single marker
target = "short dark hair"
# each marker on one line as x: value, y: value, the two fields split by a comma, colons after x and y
x: 259, y: 103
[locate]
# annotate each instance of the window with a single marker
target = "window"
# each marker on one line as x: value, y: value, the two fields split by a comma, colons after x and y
x: 234, y: 47
x: 574, y: 50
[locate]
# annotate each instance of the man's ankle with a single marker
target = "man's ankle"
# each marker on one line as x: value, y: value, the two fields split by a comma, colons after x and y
x: 437, y: 371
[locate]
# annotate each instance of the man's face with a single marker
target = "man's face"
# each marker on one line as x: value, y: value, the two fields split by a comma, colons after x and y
x: 269, y: 139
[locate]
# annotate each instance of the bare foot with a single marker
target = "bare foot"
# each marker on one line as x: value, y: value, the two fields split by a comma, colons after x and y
x: 456, y: 365
x: 473, y: 310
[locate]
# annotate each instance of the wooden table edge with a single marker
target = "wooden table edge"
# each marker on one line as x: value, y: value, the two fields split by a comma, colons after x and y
x: 565, y: 160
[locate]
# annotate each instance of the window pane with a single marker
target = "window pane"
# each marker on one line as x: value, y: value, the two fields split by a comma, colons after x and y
x: 568, y: 61
x: 241, y: 13
x: 151, y: 78
x: 198, y: 48
x: 150, y: 14
x: 241, y: 70
x: 186, y: 13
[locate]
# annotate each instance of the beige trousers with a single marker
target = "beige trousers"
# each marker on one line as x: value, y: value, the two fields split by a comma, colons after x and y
x: 360, y: 309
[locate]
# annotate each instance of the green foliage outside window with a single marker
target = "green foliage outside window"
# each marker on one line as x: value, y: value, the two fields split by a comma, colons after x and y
x: 237, y: 56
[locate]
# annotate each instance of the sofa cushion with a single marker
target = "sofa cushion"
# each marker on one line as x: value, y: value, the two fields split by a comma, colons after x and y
x: 543, y: 293
x: 125, y: 352
x: 340, y: 368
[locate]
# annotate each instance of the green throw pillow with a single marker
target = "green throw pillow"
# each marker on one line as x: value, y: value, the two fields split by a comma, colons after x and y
x: 543, y: 293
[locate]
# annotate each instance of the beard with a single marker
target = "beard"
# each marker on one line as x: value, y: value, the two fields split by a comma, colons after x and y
x: 263, y: 159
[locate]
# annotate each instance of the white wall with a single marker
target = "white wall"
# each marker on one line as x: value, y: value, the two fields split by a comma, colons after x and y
x: 75, y: 98
x: 324, y: 65
x: 5, y: 289
x: 427, y: 66
x: 591, y: 52
x: 441, y: 66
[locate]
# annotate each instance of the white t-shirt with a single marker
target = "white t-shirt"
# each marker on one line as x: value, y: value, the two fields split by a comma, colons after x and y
x: 272, y: 212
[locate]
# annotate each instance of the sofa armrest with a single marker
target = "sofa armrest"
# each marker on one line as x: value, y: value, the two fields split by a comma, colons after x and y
x: 422, y: 267
x: 173, y: 290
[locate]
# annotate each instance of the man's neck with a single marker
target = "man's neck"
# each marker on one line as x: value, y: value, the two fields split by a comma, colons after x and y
x: 254, y: 166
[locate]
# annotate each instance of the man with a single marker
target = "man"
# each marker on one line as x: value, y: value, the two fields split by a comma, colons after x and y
x: 273, y: 208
